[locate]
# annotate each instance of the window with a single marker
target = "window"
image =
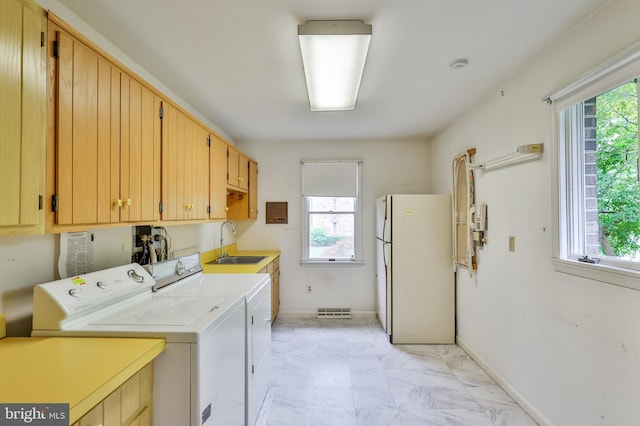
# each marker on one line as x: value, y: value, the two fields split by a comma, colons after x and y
x: 598, y: 204
x: 331, y: 214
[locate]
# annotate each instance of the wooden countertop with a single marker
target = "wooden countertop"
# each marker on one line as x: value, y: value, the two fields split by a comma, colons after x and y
x: 216, y: 268
x: 75, y: 370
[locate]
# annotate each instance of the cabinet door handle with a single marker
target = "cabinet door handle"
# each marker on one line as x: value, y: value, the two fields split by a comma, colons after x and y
x: 226, y: 209
x: 129, y: 201
x: 117, y: 203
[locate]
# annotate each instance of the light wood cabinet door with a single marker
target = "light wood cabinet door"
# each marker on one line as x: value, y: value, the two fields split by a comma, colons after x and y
x: 243, y: 172
x: 88, y: 135
x: 22, y: 116
x: 233, y: 177
x: 218, y: 178
x: 108, y: 144
x: 170, y: 162
x: 107, y: 139
x: 201, y: 153
x: 253, y: 190
x: 140, y: 152
x: 237, y: 169
x: 185, y: 164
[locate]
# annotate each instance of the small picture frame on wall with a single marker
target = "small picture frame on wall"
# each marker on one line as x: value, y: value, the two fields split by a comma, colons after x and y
x: 277, y: 212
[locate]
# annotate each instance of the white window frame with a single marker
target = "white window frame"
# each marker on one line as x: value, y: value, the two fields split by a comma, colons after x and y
x: 357, y: 237
x: 623, y: 67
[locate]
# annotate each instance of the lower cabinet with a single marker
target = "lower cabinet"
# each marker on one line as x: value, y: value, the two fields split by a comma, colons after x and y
x: 273, y: 269
x: 129, y: 405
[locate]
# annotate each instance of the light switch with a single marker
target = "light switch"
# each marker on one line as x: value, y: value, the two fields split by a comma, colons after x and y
x: 512, y: 243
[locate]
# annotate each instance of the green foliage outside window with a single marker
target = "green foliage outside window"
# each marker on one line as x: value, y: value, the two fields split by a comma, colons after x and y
x: 617, y: 171
x: 320, y: 238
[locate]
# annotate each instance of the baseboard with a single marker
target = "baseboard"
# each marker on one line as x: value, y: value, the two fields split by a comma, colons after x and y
x: 505, y: 385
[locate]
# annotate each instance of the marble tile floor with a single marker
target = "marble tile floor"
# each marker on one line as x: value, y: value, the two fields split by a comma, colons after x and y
x: 343, y: 372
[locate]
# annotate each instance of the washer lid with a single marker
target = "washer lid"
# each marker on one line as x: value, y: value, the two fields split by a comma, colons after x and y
x: 163, y: 311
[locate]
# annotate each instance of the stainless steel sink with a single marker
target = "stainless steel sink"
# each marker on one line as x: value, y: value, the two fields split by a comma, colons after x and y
x: 237, y: 260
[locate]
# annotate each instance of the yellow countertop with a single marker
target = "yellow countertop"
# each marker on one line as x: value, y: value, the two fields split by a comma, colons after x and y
x: 75, y: 370
x: 215, y: 268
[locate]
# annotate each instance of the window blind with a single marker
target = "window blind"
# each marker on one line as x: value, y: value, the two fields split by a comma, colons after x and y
x: 329, y: 178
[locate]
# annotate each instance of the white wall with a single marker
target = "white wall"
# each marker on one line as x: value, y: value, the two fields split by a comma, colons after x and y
x: 388, y: 167
x: 569, y: 347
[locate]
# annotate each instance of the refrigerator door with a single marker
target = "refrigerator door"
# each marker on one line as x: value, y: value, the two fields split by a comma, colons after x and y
x: 423, y: 282
x: 383, y: 257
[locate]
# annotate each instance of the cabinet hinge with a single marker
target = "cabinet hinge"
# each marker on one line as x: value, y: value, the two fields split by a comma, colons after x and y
x: 40, y: 202
x: 227, y: 152
x: 251, y: 319
x: 160, y: 206
x: 54, y: 202
x: 227, y: 175
x: 253, y: 369
x: 208, y: 209
x: 41, y: 38
x: 209, y: 141
x: 56, y: 49
x: 161, y: 112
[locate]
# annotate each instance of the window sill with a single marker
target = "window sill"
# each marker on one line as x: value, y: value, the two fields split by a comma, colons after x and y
x: 604, y: 273
x: 332, y: 262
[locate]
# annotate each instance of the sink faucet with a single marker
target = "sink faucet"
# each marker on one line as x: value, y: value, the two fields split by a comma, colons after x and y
x: 233, y: 229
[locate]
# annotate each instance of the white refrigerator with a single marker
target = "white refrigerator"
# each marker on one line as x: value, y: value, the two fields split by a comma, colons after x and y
x: 415, y: 270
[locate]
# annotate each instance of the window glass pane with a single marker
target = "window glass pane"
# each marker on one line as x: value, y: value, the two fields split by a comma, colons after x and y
x: 331, y: 235
x: 611, y: 189
x: 331, y: 204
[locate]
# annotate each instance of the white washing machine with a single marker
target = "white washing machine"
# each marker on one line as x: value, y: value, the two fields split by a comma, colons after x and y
x: 201, y: 378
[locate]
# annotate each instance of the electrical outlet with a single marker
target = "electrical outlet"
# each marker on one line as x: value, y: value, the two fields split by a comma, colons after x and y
x: 126, y: 244
x: 512, y: 243
x: 309, y: 288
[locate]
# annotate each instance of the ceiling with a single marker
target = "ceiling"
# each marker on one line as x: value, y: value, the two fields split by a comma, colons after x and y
x: 238, y: 62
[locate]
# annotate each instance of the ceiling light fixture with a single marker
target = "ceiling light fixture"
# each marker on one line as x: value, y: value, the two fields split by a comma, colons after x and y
x: 333, y: 55
x: 457, y: 64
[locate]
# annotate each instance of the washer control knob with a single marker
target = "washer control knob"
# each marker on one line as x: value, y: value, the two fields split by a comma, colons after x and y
x: 102, y: 285
x: 135, y: 276
x: 74, y: 292
x: 180, y: 268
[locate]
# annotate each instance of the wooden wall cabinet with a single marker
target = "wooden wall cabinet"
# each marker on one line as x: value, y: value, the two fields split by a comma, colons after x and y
x: 22, y: 117
x: 118, y: 152
x: 237, y: 169
x: 107, y: 139
x: 185, y: 165
x: 129, y: 405
x: 244, y: 205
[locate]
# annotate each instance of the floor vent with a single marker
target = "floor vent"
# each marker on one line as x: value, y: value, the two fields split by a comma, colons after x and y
x: 334, y: 312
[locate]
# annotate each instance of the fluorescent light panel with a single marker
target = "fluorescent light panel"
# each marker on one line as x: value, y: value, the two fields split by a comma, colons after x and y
x: 333, y: 55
